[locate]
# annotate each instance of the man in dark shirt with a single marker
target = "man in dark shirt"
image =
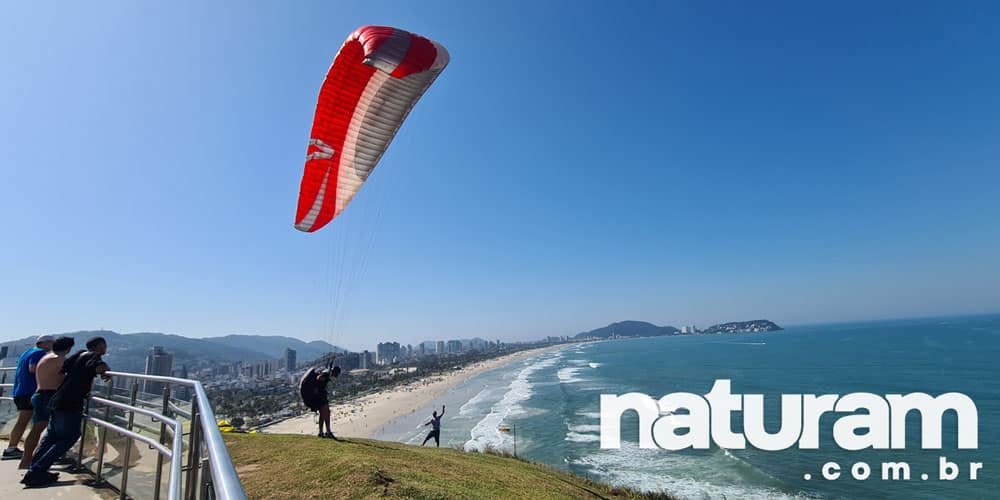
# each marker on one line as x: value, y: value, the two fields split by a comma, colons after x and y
x: 313, y: 389
x: 436, y: 431
x: 67, y: 410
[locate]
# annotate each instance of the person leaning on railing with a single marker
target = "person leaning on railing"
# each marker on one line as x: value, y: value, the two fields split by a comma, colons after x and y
x: 49, y: 376
x: 67, y: 410
x: 24, y: 388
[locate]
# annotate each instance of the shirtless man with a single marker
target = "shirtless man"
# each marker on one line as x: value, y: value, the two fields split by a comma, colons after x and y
x: 49, y: 376
x: 436, y: 431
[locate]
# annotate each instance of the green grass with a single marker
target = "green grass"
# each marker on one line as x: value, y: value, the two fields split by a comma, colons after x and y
x: 286, y: 466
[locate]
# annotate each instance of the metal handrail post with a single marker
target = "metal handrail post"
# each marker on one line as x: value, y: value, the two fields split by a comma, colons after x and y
x: 194, y: 450
x: 83, y: 433
x: 206, y: 479
x: 128, y: 440
x: 103, y: 436
x: 163, y: 439
x: 175, y: 486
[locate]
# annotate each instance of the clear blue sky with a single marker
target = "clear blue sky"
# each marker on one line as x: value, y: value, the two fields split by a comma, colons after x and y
x: 576, y: 164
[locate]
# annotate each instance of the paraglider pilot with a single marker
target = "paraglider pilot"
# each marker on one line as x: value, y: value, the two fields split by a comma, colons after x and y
x: 313, y: 389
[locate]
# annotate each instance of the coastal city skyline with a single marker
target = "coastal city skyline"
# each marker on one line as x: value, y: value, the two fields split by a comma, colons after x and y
x: 271, y: 378
x: 783, y: 166
x: 288, y: 356
x: 159, y: 359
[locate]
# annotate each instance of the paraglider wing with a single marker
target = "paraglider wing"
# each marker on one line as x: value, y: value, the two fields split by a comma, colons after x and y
x: 375, y: 79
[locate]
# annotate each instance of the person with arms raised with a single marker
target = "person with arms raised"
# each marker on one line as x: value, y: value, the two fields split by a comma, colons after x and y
x: 436, y: 431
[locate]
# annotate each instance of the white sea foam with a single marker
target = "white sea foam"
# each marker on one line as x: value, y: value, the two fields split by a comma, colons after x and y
x: 569, y: 375
x: 589, y: 414
x: 486, y: 434
x: 594, y: 365
x: 470, y: 405
x: 578, y: 437
x: 584, y: 428
x: 683, y: 476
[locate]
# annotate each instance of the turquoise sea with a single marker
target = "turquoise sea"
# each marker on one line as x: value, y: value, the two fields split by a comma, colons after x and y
x: 553, y: 402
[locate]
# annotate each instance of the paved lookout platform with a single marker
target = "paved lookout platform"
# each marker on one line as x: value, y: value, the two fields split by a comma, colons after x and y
x: 70, y: 486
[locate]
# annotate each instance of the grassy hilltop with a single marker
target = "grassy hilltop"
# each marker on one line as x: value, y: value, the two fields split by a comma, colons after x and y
x: 287, y: 466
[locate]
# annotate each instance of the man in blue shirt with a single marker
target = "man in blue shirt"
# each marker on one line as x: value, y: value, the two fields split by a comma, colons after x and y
x: 24, y: 388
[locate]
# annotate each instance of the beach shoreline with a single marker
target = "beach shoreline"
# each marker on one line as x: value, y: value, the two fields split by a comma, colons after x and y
x: 362, y: 417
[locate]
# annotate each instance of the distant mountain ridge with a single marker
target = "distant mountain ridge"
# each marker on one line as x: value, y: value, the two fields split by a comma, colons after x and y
x: 273, y: 346
x: 127, y: 352
x: 628, y: 329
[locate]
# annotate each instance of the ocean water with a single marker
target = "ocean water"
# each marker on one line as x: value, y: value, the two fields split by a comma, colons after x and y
x: 553, y: 403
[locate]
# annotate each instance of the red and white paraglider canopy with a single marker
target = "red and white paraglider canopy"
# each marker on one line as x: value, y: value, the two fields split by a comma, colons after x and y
x: 376, y: 78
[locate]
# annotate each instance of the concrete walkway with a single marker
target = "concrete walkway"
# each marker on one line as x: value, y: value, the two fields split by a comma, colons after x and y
x: 70, y: 486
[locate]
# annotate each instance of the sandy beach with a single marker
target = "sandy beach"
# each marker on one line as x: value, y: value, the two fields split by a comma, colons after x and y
x: 363, y: 416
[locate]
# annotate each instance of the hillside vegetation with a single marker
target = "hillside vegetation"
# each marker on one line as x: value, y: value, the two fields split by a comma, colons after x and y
x: 287, y: 466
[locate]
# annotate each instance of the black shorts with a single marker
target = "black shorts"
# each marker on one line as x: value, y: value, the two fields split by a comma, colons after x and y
x: 316, y: 404
x: 23, y: 403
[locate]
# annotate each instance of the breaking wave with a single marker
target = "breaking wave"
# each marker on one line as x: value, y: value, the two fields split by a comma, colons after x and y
x: 486, y: 434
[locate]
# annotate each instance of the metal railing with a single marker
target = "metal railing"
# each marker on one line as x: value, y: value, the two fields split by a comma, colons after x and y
x: 207, y: 472
x: 4, y: 385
